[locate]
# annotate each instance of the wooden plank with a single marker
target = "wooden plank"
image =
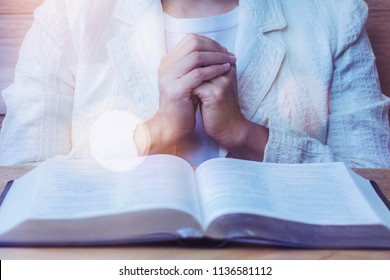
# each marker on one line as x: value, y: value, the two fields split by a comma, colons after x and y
x: 28, y: 6
x: 175, y: 252
x: 378, y: 4
x: 12, y: 31
x: 18, y: 6
x: 3, y: 109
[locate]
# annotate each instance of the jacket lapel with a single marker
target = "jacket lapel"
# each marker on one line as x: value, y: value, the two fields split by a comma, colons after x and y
x: 259, y: 57
x: 137, y: 50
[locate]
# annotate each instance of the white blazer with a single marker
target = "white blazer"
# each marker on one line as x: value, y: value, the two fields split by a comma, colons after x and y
x: 310, y: 77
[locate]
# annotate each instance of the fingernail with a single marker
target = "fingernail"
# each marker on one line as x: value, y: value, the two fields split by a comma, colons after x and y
x: 232, y: 58
x: 226, y: 65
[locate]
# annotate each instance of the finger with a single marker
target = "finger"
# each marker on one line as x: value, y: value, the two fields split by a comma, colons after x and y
x: 232, y: 73
x: 201, y: 59
x: 224, y: 80
x: 199, y: 90
x: 199, y: 75
x: 228, y: 75
x: 204, y: 93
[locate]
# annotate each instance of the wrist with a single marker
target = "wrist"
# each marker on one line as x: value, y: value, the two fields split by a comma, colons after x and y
x: 248, y: 141
x: 153, y: 137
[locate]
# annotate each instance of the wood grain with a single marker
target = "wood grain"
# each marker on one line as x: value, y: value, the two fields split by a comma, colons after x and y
x: 18, y: 6
x: 13, y: 28
x: 173, y: 251
x: 379, y: 4
x: 28, y: 6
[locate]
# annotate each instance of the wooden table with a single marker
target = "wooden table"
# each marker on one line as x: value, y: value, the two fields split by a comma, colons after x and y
x: 172, y: 251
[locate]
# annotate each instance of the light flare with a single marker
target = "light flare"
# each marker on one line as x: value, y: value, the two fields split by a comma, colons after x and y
x: 112, y: 143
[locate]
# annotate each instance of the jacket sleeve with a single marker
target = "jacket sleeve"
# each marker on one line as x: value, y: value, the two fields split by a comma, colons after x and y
x: 39, y: 102
x: 358, y: 128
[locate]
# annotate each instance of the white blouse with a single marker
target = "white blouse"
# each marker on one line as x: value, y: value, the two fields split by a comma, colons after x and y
x: 310, y: 78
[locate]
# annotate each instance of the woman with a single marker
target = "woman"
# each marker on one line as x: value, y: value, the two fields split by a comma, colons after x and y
x: 289, y: 81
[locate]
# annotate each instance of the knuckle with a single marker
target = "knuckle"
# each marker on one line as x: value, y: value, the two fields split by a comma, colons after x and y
x: 192, y: 37
x: 194, y: 43
x: 198, y: 73
x: 196, y: 58
x: 218, y: 96
x: 224, y: 80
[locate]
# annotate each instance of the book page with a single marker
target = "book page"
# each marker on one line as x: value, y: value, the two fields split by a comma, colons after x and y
x: 18, y: 201
x: 321, y: 194
x: 80, y: 188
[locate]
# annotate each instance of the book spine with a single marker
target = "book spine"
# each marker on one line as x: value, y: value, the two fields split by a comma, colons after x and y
x: 5, y: 191
x: 378, y: 192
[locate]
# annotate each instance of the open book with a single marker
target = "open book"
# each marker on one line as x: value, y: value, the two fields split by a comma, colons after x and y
x: 78, y: 202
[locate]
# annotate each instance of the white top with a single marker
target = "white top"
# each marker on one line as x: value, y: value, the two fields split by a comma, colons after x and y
x: 221, y: 28
x: 199, y: 147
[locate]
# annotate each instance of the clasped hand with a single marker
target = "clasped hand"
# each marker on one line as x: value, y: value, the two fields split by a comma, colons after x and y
x: 200, y: 72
